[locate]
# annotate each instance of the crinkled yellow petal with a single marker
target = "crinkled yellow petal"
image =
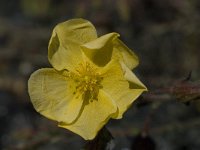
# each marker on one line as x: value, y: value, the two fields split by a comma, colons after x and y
x: 53, y: 95
x: 122, y: 52
x: 93, y: 117
x: 117, y: 86
x: 64, y: 46
x: 99, y: 51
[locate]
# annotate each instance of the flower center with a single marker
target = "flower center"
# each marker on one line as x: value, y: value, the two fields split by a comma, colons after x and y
x: 87, y: 80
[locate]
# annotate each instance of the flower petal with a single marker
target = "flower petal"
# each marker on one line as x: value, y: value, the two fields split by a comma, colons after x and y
x: 94, y: 116
x: 99, y: 51
x: 64, y: 46
x: 52, y: 95
x: 134, y: 82
x: 116, y: 85
x: 125, y: 54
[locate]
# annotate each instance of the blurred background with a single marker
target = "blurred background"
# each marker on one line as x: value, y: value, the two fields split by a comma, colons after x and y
x: 164, y: 34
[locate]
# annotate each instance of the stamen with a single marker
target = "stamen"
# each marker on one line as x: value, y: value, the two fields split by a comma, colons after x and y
x: 88, y: 80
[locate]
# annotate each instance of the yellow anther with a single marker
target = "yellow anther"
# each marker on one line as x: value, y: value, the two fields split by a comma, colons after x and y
x: 87, y: 79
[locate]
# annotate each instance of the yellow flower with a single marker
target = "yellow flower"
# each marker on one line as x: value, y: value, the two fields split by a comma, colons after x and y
x: 91, y: 80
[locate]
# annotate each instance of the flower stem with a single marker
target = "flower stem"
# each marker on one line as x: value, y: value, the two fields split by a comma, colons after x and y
x: 101, y: 142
